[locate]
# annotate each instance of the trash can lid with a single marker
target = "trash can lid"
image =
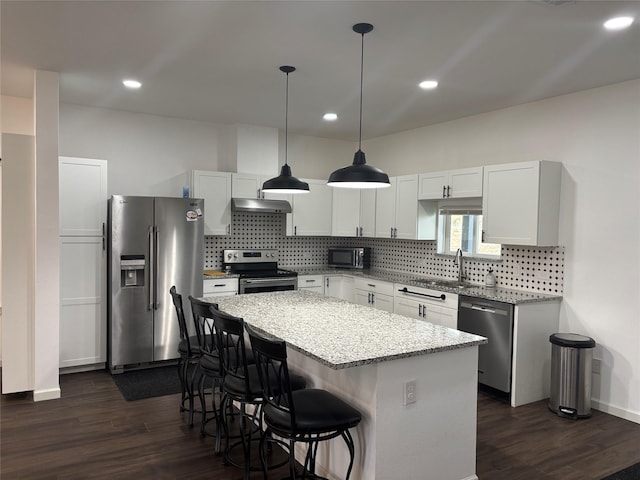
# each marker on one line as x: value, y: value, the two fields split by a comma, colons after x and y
x: 572, y: 340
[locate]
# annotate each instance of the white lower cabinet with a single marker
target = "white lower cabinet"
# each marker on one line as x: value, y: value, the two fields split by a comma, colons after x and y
x: 428, y: 305
x: 311, y: 283
x: 83, y: 320
x: 375, y: 293
x: 218, y: 287
x: 339, y: 286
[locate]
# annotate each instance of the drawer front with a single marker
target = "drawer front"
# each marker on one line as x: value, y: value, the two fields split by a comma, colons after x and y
x: 310, y: 281
x: 371, y: 285
x: 219, y: 285
x: 427, y: 296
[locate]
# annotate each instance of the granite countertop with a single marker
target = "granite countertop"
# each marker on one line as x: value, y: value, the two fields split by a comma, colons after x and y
x: 341, y: 334
x: 506, y: 295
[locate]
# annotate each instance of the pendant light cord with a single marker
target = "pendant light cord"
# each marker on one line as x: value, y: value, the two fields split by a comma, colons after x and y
x: 361, y: 76
x: 286, y: 123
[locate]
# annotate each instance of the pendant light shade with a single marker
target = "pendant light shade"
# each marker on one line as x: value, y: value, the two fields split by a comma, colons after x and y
x: 285, y: 182
x: 359, y: 174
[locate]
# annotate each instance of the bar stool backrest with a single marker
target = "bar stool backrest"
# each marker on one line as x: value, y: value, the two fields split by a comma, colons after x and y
x: 203, y: 322
x: 182, y: 323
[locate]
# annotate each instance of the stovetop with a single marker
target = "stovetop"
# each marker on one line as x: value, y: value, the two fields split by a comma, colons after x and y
x: 257, y: 263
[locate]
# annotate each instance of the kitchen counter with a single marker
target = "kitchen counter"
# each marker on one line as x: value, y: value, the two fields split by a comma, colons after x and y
x: 367, y: 356
x: 506, y: 295
x: 341, y: 334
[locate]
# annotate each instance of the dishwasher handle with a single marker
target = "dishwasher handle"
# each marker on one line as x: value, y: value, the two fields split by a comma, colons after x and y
x: 483, y: 308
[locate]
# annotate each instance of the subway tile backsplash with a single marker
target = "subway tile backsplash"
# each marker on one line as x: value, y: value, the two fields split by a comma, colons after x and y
x: 537, y: 269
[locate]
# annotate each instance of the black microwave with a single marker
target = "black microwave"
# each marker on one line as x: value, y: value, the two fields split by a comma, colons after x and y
x: 350, y: 257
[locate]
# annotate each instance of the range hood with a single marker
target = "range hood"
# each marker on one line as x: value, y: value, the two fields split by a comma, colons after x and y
x: 260, y: 205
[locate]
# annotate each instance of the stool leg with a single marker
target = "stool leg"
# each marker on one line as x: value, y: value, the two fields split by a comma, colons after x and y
x: 346, y: 435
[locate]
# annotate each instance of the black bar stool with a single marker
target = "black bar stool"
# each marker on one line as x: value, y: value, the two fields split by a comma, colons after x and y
x: 310, y: 415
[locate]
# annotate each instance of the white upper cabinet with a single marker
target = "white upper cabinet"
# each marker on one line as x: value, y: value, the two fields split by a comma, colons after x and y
x: 386, y: 209
x: 461, y: 183
x: 311, y: 212
x: 399, y: 214
x: 521, y: 203
x: 83, y: 195
x: 354, y: 213
x: 246, y: 185
x: 215, y: 189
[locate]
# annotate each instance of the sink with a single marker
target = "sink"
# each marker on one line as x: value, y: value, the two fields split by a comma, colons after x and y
x: 430, y: 282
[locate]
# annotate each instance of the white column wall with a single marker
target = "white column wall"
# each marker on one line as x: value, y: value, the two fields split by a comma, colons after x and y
x: 596, y: 135
x: 47, y: 247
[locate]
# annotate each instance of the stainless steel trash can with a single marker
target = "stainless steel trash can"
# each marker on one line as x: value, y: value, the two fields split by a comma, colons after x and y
x: 571, y: 357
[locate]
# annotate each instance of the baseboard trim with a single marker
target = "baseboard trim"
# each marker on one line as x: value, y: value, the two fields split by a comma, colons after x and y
x: 48, y: 394
x: 616, y: 411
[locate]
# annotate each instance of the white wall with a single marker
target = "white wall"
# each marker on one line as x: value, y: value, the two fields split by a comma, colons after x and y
x: 596, y: 135
x: 149, y: 155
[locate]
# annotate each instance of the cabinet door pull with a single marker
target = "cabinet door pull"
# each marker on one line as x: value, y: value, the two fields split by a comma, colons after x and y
x: 357, y: 230
x: 419, y: 309
x: 444, y: 191
x: 482, y: 240
x: 448, y: 191
x: 327, y: 282
x: 424, y: 311
x: 104, y: 237
x: 373, y: 298
x: 295, y: 230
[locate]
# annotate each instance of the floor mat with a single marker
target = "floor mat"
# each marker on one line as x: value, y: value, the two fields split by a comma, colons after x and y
x: 629, y: 473
x: 148, y: 383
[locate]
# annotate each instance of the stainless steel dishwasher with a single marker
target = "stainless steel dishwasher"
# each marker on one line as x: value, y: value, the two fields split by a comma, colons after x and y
x: 493, y: 320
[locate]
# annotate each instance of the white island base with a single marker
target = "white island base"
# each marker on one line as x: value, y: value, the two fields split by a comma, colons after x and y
x: 431, y: 439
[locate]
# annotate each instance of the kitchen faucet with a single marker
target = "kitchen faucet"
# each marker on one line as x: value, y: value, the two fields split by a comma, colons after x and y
x: 459, y: 263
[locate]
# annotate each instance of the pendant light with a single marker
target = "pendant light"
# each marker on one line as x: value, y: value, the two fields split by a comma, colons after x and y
x: 285, y: 182
x: 359, y: 174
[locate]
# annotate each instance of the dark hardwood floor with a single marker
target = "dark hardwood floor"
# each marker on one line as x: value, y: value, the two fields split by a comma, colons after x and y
x: 92, y: 432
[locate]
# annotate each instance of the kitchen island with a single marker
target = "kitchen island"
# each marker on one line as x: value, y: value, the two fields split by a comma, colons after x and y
x: 366, y: 356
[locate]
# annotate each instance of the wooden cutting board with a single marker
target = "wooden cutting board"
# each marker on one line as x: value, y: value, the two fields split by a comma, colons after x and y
x: 214, y: 273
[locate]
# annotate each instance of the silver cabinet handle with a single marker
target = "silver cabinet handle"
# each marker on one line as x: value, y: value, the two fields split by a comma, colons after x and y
x: 419, y: 309
x: 444, y: 191
x: 448, y: 191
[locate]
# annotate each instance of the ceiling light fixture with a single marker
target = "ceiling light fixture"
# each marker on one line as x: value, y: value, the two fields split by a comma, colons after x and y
x: 428, y: 84
x: 133, y: 84
x: 330, y: 117
x: 618, y: 23
x: 359, y: 174
x: 285, y: 182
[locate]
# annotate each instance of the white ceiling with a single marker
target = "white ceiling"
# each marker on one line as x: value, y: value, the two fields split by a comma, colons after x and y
x: 218, y: 61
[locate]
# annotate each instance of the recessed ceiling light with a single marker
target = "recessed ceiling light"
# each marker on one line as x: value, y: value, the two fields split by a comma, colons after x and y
x: 428, y: 84
x: 131, y: 83
x: 330, y: 117
x: 618, y: 23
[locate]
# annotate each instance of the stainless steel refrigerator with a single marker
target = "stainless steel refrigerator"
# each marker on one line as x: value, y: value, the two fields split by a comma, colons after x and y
x: 154, y: 243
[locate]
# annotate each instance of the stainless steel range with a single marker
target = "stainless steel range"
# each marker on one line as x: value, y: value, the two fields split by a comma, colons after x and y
x: 258, y: 271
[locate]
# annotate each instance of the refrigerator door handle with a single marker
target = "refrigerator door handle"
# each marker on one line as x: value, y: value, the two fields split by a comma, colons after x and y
x: 156, y: 243
x: 152, y: 272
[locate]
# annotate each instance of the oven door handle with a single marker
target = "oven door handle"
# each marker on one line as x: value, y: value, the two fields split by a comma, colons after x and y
x: 265, y: 280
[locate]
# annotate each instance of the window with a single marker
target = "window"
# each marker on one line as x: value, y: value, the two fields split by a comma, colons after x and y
x: 460, y: 227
